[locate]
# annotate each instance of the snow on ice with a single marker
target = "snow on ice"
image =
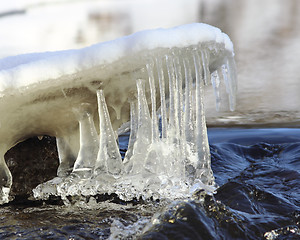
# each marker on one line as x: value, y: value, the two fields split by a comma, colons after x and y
x: 154, y: 79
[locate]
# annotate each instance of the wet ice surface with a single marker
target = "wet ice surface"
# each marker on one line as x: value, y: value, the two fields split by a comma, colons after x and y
x: 258, y: 171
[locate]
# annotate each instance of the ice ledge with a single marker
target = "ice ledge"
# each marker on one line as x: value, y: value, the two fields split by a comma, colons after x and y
x: 59, y: 93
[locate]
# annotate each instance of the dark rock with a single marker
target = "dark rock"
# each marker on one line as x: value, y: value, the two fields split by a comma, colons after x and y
x: 32, y: 162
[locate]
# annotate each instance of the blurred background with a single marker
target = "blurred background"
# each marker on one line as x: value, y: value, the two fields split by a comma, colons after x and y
x: 265, y: 33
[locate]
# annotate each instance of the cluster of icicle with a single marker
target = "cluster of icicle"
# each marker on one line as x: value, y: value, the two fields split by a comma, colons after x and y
x: 168, y: 153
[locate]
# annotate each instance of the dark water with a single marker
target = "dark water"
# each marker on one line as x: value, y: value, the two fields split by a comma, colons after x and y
x: 258, y: 173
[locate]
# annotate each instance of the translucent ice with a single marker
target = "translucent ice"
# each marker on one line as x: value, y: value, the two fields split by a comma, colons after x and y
x: 153, y: 78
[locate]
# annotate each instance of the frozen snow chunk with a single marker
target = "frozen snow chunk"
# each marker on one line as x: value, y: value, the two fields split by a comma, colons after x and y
x: 153, y: 78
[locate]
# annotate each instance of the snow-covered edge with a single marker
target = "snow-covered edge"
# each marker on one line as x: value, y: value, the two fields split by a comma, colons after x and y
x: 23, y: 70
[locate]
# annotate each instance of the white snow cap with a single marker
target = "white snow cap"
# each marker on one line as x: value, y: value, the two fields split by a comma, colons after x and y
x: 23, y: 70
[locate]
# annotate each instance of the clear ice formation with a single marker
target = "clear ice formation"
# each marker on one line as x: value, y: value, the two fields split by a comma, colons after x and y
x: 153, y: 78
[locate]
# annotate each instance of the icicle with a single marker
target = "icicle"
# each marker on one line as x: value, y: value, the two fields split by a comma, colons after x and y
x: 163, y: 107
x: 215, y: 80
x: 144, y: 132
x: 144, y: 119
x: 109, y: 159
x: 205, y: 66
x: 154, y: 125
x: 230, y: 72
x: 178, y: 95
x: 188, y: 115
x: 173, y: 116
x: 133, y: 130
x: 179, y: 110
x: 89, y: 142
x: 66, y: 158
x: 171, y: 76
x: 201, y: 138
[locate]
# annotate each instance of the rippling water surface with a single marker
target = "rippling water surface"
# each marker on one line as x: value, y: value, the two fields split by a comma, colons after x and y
x: 258, y: 173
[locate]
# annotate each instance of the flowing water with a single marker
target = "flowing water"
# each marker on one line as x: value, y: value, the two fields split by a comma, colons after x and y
x: 258, y: 173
